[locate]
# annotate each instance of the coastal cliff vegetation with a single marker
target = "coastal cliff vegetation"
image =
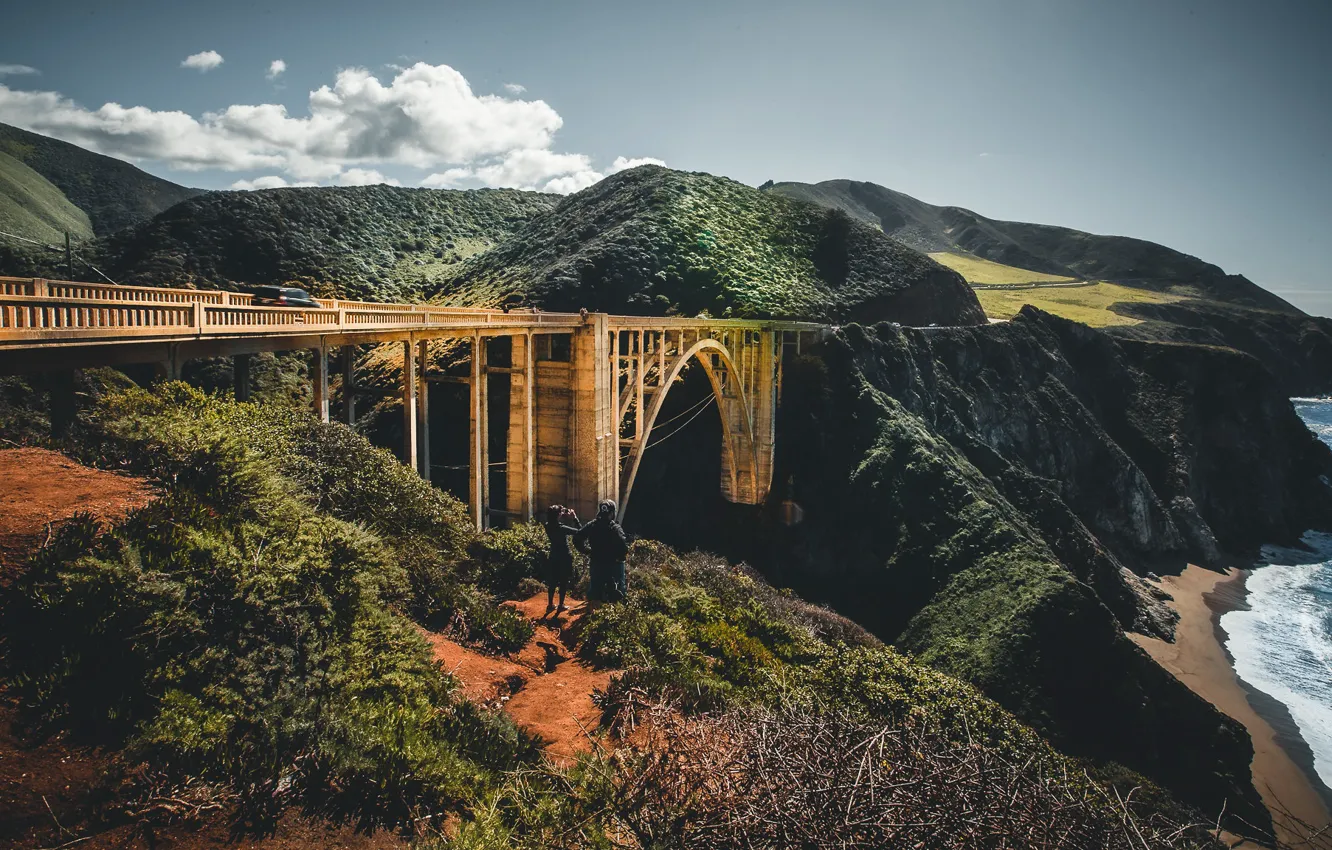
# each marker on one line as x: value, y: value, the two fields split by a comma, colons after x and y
x: 250, y: 641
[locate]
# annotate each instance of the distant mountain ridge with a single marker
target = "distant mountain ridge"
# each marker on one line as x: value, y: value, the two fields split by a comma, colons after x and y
x: 1038, y: 247
x: 113, y: 193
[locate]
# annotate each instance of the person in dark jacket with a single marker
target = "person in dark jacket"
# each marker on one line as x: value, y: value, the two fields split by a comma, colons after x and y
x: 561, y: 524
x: 605, y: 544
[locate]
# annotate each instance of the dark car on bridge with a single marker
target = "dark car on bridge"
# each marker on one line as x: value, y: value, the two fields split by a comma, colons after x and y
x: 282, y: 296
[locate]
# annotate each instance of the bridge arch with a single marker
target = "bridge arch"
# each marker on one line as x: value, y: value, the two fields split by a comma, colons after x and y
x: 740, y: 449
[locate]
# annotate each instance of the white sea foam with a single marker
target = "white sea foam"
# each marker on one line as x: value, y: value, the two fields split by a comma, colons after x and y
x: 1282, y: 645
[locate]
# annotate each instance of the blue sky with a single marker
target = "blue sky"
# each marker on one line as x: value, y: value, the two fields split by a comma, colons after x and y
x: 1205, y: 126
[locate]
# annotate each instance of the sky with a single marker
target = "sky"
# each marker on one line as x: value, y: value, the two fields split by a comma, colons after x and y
x: 1205, y: 126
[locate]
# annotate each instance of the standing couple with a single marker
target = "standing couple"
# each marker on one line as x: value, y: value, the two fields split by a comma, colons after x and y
x: 602, y: 540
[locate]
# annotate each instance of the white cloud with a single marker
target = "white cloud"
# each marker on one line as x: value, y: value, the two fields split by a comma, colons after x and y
x: 276, y: 68
x: 983, y: 155
x: 624, y: 163
x: 17, y: 70
x: 426, y: 118
x: 363, y: 177
x: 272, y: 181
x: 542, y: 170
x: 202, y: 62
x: 515, y: 88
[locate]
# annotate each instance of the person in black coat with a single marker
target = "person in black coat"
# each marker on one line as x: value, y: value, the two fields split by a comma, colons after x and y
x: 561, y: 524
x: 605, y: 544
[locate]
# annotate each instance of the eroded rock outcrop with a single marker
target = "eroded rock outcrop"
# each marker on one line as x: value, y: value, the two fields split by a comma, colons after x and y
x: 988, y: 497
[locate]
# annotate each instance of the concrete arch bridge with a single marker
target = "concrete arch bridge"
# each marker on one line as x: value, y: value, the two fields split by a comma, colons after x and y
x: 584, y: 390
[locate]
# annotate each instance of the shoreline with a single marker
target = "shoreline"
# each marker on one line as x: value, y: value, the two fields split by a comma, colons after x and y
x: 1282, y: 764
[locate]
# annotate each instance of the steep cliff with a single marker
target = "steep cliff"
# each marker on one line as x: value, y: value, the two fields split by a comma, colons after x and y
x: 989, y: 497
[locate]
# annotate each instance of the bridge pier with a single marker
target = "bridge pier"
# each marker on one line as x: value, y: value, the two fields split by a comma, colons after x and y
x: 594, y: 444
x: 423, y: 409
x: 349, y: 385
x: 520, y: 454
x: 63, y: 406
x: 319, y: 377
x: 478, y: 489
x: 240, y: 369
x: 409, y: 444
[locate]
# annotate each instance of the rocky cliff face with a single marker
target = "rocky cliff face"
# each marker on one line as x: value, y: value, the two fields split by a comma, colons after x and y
x: 989, y: 498
x: 1296, y: 348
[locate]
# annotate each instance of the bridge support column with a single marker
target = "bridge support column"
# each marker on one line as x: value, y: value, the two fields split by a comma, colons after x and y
x: 240, y: 367
x: 520, y: 454
x: 62, y: 404
x: 319, y: 377
x: 408, y: 405
x: 769, y: 355
x: 594, y: 443
x: 423, y: 411
x: 349, y: 385
x: 479, y: 485
x: 169, y: 369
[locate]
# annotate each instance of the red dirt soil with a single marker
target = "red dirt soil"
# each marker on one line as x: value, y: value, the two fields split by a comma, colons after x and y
x: 39, y: 489
x: 543, y: 687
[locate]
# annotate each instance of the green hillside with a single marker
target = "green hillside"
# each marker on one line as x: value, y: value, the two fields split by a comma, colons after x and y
x: 375, y: 242
x: 30, y: 206
x: 113, y: 193
x: 1039, y: 247
x: 652, y: 240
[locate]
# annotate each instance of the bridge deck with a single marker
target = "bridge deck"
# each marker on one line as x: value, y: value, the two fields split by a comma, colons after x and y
x: 98, y: 324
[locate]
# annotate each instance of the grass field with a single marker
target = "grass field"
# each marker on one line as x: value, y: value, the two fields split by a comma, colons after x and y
x: 1087, y: 304
x: 976, y: 270
x: 32, y: 207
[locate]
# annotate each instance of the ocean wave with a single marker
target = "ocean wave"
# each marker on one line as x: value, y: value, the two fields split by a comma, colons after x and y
x: 1282, y: 645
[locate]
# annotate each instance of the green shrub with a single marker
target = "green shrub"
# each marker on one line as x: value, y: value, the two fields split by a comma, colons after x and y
x: 229, y: 631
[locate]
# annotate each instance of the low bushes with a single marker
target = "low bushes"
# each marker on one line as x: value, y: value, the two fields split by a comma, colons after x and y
x: 232, y: 633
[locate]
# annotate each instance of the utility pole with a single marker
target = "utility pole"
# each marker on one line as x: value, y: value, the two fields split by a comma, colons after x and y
x: 69, y: 258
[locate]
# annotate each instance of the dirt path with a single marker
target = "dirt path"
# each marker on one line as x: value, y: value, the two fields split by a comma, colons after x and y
x: 40, y: 487
x: 543, y: 687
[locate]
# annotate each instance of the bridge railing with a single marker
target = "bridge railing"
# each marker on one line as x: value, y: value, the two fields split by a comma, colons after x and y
x: 28, y: 317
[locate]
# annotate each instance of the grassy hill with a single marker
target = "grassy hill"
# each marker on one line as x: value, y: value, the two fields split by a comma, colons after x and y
x: 652, y: 240
x: 32, y: 207
x: 374, y: 242
x: 113, y: 193
x: 977, y: 270
x: 1038, y: 247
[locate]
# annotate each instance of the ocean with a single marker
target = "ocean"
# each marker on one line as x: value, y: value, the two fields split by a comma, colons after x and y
x: 1282, y: 645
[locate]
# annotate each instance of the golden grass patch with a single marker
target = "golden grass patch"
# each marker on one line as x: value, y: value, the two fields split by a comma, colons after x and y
x: 1087, y: 304
x: 976, y: 270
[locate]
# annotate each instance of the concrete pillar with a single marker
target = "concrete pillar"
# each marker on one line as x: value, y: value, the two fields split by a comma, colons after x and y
x: 241, y: 365
x: 319, y: 377
x: 349, y: 385
x: 479, y: 485
x: 520, y: 454
x: 594, y: 445
x: 169, y: 369
x: 423, y: 412
x: 62, y: 402
x: 768, y: 355
x: 408, y: 405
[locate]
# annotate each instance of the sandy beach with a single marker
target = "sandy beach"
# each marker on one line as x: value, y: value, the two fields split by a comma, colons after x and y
x: 1198, y: 659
